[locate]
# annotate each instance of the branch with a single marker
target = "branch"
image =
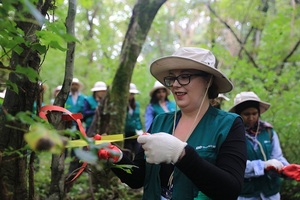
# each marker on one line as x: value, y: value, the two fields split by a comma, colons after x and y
x: 236, y: 37
x: 280, y: 67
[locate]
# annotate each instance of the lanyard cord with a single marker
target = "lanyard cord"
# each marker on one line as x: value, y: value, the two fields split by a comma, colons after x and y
x: 257, y: 142
x: 170, y: 182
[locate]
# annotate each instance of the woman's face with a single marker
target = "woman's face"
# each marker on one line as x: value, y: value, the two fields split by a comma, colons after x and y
x: 161, y: 94
x: 131, y: 96
x: 191, y: 95
x: 250, y: 116
x: 100, y: 94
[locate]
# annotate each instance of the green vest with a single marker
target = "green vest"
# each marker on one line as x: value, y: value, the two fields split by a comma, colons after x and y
x: 267, y: 184
x: 207, y: 139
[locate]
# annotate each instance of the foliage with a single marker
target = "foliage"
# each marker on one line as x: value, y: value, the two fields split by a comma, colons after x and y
x: 252, y: 41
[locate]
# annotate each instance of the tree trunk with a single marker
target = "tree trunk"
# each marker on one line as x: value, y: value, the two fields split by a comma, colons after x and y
x: 142, y: 16
x: 20, y: 96
x: 57, y: 187
x: 114, y: 109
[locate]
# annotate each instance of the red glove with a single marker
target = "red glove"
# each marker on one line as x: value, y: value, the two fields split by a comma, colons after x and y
x: 292, y: 171
x: 111, y: 153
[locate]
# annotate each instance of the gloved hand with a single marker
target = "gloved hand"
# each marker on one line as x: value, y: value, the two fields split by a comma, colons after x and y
x: 139, y: 132
x: 111, y: 153
x: 161, y: 147
x: 273, y: 164
x: 292, y: 171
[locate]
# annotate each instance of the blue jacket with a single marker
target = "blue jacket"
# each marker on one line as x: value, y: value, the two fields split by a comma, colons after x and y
x: 154, y: 109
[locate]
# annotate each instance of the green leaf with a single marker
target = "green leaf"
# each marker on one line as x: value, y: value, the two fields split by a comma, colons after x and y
x: 12, y: 86
x: 30, y: 73
x: 40, y: 48
x: 126, y: 168
x: 25, y: 117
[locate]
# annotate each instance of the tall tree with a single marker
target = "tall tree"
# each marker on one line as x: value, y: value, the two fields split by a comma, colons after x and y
x: 142, y: 17
x: 21, y: 93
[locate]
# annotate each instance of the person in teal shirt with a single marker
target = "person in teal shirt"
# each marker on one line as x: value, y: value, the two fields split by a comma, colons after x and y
x: 197, y: 152
x: 159, y: 103
x: 74, y: 104
x: 75, y: 99
x: 92, y: 102
x: 263, y: 148
x: 133, y: 124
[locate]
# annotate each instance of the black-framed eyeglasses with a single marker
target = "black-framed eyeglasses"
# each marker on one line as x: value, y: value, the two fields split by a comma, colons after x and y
x: 182, y: 79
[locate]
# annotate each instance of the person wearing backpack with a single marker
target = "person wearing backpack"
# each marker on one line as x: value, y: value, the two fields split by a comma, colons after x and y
x: 265, y: 157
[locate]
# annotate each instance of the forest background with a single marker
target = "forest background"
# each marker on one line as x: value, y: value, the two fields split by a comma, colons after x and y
x: 256, y: 42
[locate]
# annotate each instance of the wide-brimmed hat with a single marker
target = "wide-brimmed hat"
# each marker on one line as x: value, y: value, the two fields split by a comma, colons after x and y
x: 158, y: 85
x: 99, y: 86
x: 191, y: 58
x: 58, y: 88
x: 133, y: 89
x: 222, y: 96
x: 245, y: 97
x: 76, y: 80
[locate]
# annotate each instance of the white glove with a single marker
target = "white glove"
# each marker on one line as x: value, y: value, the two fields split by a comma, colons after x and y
x: 161, y: 147
x: 273, y: 163
x: 139, y: 132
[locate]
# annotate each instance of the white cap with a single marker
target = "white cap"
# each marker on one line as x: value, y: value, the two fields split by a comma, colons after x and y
x: 76, y: 80
x: 2, y: 94
x: 222, y: 96
x: 99, y: 86
x: 133, y: 89
x: 58, y: 88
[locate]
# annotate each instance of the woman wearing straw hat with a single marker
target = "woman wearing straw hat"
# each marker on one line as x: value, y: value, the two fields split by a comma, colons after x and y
x: 197, y: 152
x: 91, y: 102
x: 217, y: 102
x: 263, y: 147
x: 133, y: 124
x: 159, y: 103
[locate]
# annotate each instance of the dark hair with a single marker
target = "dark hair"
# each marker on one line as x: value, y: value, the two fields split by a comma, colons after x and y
x: 213, y: 91
x: 247, y: 104
x: 132, y: 103
x: 154, y: 98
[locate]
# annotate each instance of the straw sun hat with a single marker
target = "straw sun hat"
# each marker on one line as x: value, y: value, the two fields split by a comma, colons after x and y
x: 99, y: 86
x: 133, y: 89
x: 191, y: 58
x: 158, y: 85
x: 245, y: 97
x: 76, y: 81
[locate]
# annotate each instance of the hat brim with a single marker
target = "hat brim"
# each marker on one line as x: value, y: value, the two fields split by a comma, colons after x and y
x: 157, y: 88
x: 161, y: 67
x: 98, y: 89
x: 134, y: 91
x: 263, y: 106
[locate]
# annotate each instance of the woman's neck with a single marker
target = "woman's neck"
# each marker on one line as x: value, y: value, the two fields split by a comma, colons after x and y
x: 189, y: 121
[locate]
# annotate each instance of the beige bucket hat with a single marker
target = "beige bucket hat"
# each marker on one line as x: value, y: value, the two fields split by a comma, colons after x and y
x: 191, y: 58
x: 133, y: 89
x: 158, y: 85
x: 222, y: 96
x: 76, y: 81
x: 99, y: 86
x: 249, y: 96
